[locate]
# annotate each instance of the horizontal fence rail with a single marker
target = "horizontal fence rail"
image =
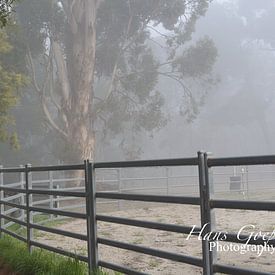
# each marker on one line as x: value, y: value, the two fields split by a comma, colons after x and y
x: 149, y: 198
x: 147, y: 163
x: 20, y: 199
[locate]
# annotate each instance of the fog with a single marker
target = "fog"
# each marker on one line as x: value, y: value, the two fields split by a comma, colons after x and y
x: 232, y: 112
x: 84, y: 83
x: 237, y: 117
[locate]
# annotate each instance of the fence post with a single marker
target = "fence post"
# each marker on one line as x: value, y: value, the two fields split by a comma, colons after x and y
x: 57, y: 203
x: 51, y: 196
x: 28, y: 180
x: 205, y: 217
x: 91, y: 216
x: 22, y: 199
x: 209, y: 180
x: 167, y: 180
x: 1, y: 198
x: 119, y: 187
x: 247, y: 183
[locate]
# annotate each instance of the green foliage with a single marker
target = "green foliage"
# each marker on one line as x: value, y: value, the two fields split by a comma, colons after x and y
x: 5, y: 10
x: 45, y: 219
x: 34, y: 16
x: 39, y: 262
x: 17, y: 256
x: 10, y: 82
x: 197, y: 60
x: 136, y: 104
x: 125, y: 96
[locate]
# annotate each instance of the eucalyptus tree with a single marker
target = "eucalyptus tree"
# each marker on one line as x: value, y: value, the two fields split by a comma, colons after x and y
x: 99, y: 71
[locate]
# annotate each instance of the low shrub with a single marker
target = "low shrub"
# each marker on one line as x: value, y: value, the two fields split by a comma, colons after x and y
x: 39, y: 262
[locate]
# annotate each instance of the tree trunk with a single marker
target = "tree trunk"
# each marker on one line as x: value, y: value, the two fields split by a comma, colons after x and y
x: 81, y: 63
x: 75, y: 71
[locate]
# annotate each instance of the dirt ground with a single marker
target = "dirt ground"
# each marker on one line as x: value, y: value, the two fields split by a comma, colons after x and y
x: 226, y: 220
x: 5, y: 269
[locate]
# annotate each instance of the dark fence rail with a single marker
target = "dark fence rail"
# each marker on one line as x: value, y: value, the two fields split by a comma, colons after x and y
x: 208, y: 261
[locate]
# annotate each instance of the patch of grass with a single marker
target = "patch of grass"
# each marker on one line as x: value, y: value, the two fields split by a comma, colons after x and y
x: 154, y: 263
x: 82, y: 251
x: 137, y: 241
x: 270, y: 228
x: 39, y: 262
x: 18, y: 229
x: 106, y: 234
x: 41, y: 218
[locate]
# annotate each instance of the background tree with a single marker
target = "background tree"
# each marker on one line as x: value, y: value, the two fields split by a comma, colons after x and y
x: 241, y: 106
x: 11, y: 79
x: 99, y: 72
x: 5, y: 11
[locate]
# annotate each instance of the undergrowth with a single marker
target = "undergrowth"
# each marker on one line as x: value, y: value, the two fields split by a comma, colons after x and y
x: 39, y: 262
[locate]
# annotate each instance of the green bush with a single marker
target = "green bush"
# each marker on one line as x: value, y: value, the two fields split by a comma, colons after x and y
x: 39, y: 262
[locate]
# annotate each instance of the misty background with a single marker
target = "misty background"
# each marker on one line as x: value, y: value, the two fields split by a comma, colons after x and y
x: 157, y: 81
x: 235, y: 117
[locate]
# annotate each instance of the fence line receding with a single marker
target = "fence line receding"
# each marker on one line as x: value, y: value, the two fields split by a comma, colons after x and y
x: 23, y: 192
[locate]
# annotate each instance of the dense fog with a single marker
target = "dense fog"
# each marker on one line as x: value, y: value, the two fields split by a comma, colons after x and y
x: 237, y: 117
x: 88, y: 84
x: 220, y: 101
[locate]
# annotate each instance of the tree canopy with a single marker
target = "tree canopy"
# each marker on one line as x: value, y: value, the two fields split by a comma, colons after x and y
x: 10, y: 81
x: 5, y: 10
x: 93, y: 66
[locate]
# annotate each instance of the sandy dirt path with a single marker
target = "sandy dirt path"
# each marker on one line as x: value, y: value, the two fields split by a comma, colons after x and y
x: 226, y: 220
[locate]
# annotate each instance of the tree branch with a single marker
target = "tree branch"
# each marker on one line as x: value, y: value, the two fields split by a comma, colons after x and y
x: 33, y: 73
x: 110, y: 89
x: 127, y: 96
x: 157, y: 31
x: 62, y: 72
x: 185, y: 88
x: 51, y: 122
x: 118, y: 57
x: 41, y: 92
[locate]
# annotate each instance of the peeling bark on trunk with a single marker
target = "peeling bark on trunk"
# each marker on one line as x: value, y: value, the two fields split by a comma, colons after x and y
x: 75, y: 72
x: 82, y: 62
x: 76, y: 76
